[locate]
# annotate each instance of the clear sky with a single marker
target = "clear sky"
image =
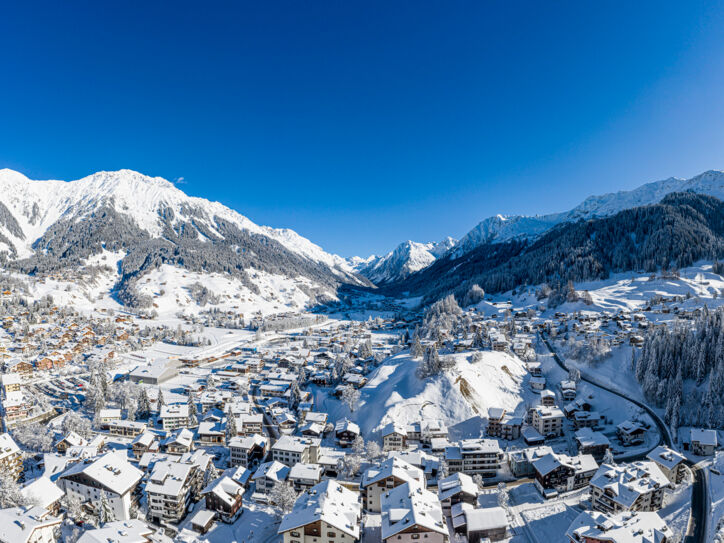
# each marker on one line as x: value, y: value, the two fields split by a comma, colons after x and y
x: 363, y: 124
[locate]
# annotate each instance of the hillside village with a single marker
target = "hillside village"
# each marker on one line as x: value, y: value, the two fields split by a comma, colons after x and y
x: 120, y: 428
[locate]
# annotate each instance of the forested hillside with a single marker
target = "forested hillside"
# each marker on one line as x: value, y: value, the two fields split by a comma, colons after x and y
x: 682, y: 369
x: 681, y: 229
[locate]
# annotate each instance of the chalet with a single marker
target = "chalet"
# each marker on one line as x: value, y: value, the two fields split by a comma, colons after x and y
x: 126, y: 428
x: 389, y: 474
x: 630, y: 432
x: 412, y: 512
x: 44, y: 493
x: 11, y: 460
x: 483, y: 525
x: 178, y: 442
x: 146, y: 442
x: 560, y: 473
x: 267, y: 476
x: 703, y: 442
x: 456, y: 488
x: 211, y: 432
x: 70, y: 440
x: 224, y: 497
x: 568, y: 390
x: 326, y: 512
x: 394, y: 437
x: 346, y: 431
x: 594, y: 443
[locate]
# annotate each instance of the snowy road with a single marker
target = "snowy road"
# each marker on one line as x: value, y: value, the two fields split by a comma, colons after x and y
x: 696, y: 532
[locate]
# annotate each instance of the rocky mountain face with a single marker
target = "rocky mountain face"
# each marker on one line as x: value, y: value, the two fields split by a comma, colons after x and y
x: 407, y: 258
x: 50, y: 225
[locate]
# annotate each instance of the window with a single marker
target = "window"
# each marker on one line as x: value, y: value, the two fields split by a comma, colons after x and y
x: 295, y: 534
x: 331, y: 534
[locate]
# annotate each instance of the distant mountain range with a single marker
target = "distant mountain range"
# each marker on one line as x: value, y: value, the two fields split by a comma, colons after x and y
x: 499, y: 229
x: 682, y: 228
x: 50, y: 225
x: 410, y: 257
x: 407, y: 258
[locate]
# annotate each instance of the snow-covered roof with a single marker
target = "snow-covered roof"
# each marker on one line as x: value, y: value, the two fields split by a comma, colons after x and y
x: 295, y: 443
x: 625, y: 527
x: 169, y: 478
x: 306, y: 471
x: 7, y: 446
x: 42, y: 492
x: 624, y: 483
x: 328, y: 502
x: 174, y: 411
x: 346, y: 425
x: 274, y: 470
x: 112, y: 470
x: 704, y: 437
x: 247, y: 442
x: 587, y: 437
x: 225, y: 488
x: 122, y: 531
x: 18, y: 524
x: 580, y: 464
x: 409, y: 505
x: 491, y: 518
x: 392, y: 467
x: 665, y: 457
x: 455, y: 484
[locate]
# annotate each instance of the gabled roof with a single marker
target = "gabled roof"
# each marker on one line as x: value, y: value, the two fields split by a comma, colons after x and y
x: 328, y: 502
x: 457, y: 483
x: 18, y: 524
x: 225, y: 488
x: 392, y: 467
x: 111, y: 470
x: 274, y: 470
x: 410, y: 505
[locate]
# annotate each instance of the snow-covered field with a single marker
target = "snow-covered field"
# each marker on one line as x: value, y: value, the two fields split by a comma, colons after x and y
x: 460, y: 397
x: 624, y: 291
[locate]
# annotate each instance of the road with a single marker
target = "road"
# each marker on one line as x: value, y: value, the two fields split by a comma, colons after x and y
x: 696, y: 532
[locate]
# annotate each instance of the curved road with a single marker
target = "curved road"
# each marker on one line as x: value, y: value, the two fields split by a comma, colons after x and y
x: 696, y: 532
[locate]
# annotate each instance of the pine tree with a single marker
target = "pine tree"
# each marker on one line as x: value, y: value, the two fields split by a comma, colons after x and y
x: 144, y: 404
x: 192, y: 410
x: 231, y: 428
x: 105, y: 511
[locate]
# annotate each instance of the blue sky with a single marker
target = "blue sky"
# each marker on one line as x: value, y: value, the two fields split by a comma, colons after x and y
x: 362, y: 124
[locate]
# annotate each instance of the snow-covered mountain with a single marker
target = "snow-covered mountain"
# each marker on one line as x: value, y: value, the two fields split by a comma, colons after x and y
x: 501, y: 228
x: 49, y: 224
x: 408, y: 257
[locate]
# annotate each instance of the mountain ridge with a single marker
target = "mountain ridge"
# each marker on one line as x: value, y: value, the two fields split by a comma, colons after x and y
x: 501, y: 228
x: 48, y: 225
